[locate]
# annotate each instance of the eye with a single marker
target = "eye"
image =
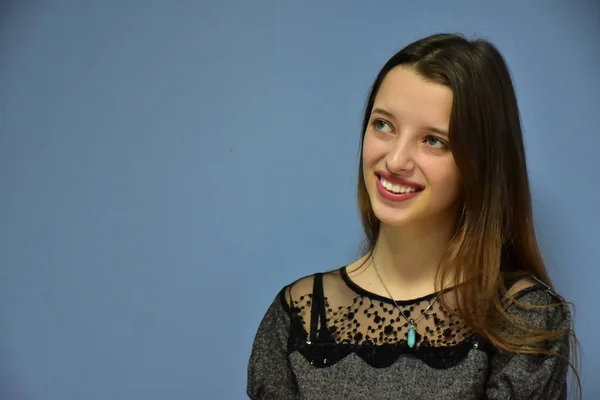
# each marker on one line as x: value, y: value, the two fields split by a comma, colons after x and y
x: 381, y: 125
x: 435, y: 142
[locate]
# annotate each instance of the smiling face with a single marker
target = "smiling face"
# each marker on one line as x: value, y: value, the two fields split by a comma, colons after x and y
x: 408, y: 168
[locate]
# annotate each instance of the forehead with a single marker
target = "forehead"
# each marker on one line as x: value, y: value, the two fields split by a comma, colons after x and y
x: 410, y: 97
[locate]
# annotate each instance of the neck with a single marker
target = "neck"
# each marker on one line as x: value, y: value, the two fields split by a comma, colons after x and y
x: 408, y: 257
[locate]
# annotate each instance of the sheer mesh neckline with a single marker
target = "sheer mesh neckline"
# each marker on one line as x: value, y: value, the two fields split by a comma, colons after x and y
x: 332, y: 317
x: 374, y: 296
x: 331, y: 308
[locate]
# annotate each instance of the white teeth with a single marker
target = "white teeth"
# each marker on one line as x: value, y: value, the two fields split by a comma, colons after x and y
x: 397, y: 188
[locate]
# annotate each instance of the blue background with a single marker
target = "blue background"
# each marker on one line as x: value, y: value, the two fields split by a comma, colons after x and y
x: 167, y: 166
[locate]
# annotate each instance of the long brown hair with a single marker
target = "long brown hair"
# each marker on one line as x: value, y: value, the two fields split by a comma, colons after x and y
x: 495, y: 237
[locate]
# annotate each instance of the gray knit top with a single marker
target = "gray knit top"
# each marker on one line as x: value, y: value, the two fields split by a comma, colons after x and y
x: 324, y: 337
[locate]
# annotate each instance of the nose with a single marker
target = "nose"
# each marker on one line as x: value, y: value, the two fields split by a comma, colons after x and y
x: 400, y: 157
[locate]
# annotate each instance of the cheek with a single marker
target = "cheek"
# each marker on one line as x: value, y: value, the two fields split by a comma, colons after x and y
x: 373, y: 150
x: 445, y: 176
x: 366, y: 153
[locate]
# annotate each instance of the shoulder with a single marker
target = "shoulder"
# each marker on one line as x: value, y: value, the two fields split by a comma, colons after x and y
x: 538, y: 303
x: 529, y: 289
x: 302, y: 289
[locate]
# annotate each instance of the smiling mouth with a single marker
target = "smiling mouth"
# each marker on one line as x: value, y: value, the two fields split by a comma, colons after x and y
x: 397, y: 188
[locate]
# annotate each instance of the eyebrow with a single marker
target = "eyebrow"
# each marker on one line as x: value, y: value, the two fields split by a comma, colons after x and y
x: 427, y: 128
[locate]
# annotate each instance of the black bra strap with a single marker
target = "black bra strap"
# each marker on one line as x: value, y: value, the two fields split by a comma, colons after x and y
x: 318, y: 306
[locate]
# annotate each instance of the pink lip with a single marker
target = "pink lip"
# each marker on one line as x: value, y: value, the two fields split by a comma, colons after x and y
x: 386, y: 194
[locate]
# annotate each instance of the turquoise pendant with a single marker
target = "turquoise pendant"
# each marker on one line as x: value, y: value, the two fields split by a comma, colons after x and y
x: 412, y: 336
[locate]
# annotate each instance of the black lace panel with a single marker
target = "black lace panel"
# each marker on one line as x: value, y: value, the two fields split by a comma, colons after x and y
x: 375, y: 330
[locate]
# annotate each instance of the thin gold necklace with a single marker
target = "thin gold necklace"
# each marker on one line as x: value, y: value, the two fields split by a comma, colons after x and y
x: 412, y: 323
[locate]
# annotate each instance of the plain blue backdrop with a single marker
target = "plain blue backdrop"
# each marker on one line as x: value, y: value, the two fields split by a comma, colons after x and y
x: 167, y: 166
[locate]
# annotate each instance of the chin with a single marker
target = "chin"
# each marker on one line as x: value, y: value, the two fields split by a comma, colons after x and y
x: 395, y: 218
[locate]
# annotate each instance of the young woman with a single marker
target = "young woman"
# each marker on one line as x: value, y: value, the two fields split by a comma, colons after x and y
x: 451, y: 299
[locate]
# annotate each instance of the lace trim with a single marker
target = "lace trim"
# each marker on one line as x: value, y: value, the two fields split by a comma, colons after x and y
x: 326, y: 349
x: 326, y: 330
x: 324, y: 354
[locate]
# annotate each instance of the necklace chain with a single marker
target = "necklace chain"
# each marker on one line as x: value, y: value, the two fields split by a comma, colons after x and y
x: 410, y: 321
